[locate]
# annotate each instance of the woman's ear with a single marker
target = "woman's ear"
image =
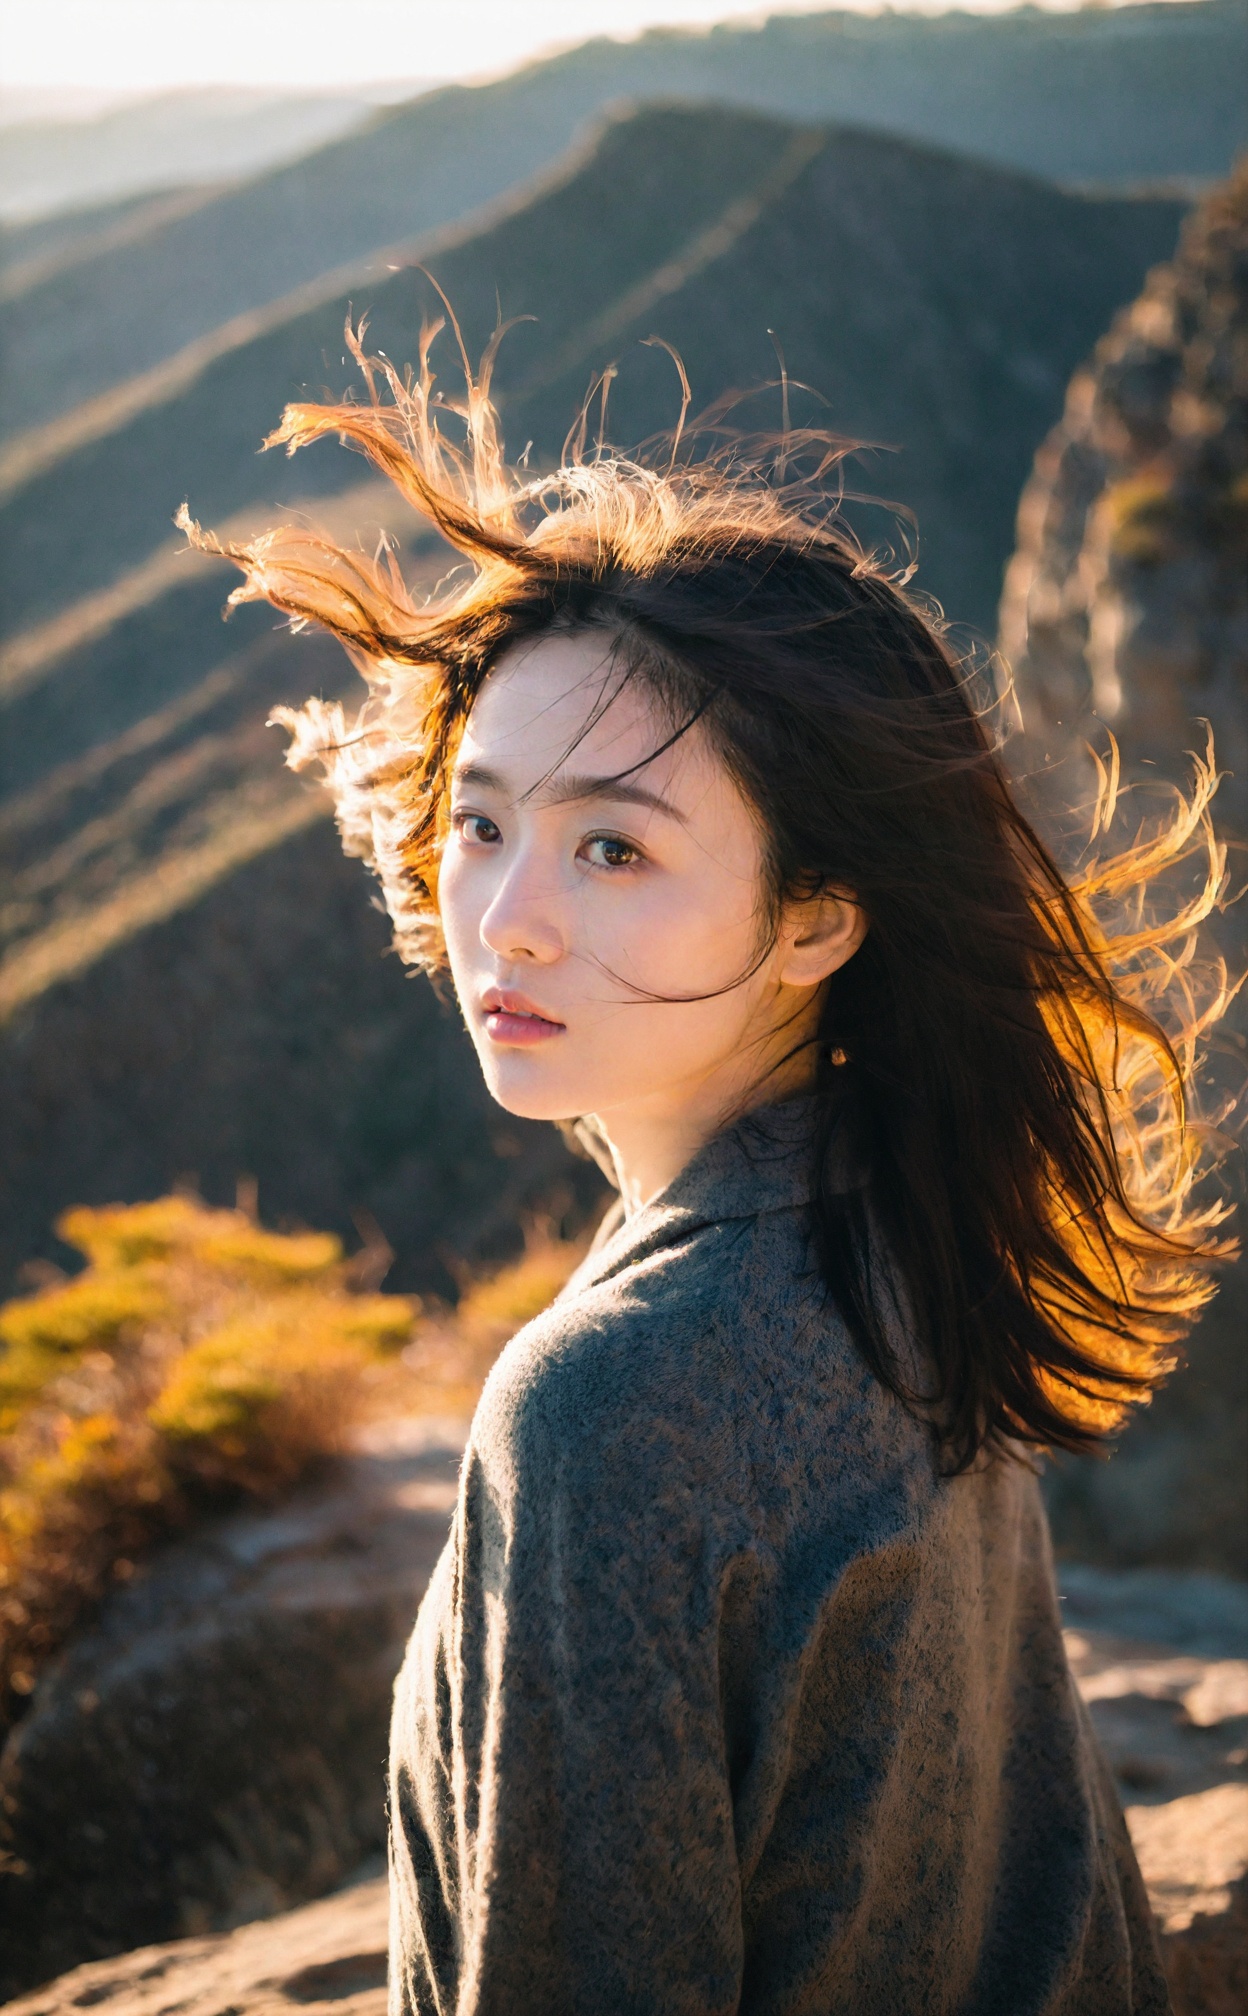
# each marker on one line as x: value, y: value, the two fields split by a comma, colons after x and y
x: 820, y: 934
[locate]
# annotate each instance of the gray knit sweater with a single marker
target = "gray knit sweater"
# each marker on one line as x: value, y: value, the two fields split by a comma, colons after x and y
x: 721, y: 1698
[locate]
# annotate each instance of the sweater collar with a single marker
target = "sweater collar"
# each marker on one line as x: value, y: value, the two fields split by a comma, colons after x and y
x: 763, y: 1162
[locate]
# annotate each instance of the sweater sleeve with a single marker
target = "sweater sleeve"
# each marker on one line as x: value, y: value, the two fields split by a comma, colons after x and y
x: 562, y: 1823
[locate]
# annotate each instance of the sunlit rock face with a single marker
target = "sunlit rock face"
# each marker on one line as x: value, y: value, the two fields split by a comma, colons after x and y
x: 1126, y: 609
x: 1126, y: 603
x: 1159, y: 1658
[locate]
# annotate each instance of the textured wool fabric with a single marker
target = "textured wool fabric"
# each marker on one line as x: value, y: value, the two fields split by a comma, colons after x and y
x: 721, y: 1698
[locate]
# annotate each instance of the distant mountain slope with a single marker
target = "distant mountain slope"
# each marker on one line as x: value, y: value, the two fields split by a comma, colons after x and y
x: 163, y: 142
x: 939, y: 304
x: 1106, y: 96
x: 124, y: 757
x: 31, y: 251
x: 263, y: 1031
x: 149, y: 772
x: 602, y: 222
x: 181, y: 991
x: 931, y: 303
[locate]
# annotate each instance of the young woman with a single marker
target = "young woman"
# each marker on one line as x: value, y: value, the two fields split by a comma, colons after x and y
x: 740, y: 1685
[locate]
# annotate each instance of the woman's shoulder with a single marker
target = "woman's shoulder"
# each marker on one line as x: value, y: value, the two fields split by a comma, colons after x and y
x: 622, y: 1340
x: 719, y: 1347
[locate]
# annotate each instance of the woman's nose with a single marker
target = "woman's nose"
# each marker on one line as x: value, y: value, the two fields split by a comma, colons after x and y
x: 523, y: 919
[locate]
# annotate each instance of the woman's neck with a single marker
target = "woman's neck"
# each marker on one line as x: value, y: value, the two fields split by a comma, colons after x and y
x: 652, y: 1141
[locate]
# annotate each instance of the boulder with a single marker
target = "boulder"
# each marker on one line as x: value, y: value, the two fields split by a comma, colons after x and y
x: 212, y: 1749
x: 1171, y: 1709
x: 1193, y: 1853
x: 1125, y: 609
x: 1125, y: 605
x: 1170, y: 1704
x: 330, y: 1955
x: 1169, y: 1720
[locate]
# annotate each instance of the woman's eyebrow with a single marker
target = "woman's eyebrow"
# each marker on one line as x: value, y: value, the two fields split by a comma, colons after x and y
x: 565, y: 788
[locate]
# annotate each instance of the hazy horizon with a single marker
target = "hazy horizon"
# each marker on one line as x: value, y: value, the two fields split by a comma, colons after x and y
x: 79, y: 59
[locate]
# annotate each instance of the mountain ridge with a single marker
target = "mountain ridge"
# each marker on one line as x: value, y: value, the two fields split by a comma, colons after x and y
x: 1084, y: 97
x: 940, y: 303
x: 232, y: 395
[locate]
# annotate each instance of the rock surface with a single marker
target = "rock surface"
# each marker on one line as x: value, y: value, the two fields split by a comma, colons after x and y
x: 1162, y: 1661
x: 1173, y: 1721
x: 1193, y: 1853
x: 1126, y: 609
x: 327, y: 1955
x: 1126, y: 602
x: 212, y: 1750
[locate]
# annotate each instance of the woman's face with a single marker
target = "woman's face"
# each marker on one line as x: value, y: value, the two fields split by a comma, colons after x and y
x: 578, y: 910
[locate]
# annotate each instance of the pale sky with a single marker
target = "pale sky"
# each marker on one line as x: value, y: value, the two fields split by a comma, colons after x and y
x: 121, y: 46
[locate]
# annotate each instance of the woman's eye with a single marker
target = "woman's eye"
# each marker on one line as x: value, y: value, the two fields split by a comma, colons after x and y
x: 607, y: 850
x: 475, y: 829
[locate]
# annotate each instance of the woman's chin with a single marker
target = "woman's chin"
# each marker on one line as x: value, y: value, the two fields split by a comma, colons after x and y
x: 520, y: 1086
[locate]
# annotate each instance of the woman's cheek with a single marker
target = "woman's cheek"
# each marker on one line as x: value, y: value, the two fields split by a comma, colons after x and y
x: 460, y: 904
x: 666, y: 941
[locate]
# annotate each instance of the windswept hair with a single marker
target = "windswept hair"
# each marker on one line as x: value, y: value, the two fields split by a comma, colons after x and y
x: 1014, y: 1051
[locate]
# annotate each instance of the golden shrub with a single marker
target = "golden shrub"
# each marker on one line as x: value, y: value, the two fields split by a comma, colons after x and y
x: 450, y: 1357
x: 43, y: 1334
x: 254, y: 1402
x: 520, y: 1291
x: 198, y: 1357
x: 1141, y: 514
x: 124, y: 1235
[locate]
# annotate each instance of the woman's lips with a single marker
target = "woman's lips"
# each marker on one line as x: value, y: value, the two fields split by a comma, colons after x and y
x: 512, y: 1020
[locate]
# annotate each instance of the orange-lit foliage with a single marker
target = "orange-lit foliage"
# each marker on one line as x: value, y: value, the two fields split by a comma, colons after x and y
x: 198, y: 1358
x: 446, y: 1363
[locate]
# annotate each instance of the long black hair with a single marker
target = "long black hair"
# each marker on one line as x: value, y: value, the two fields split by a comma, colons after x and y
x: 1013, y: 1050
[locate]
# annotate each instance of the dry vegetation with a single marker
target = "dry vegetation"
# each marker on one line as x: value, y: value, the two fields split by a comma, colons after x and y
x: 442, y: 1370
x: 197, y: 1360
